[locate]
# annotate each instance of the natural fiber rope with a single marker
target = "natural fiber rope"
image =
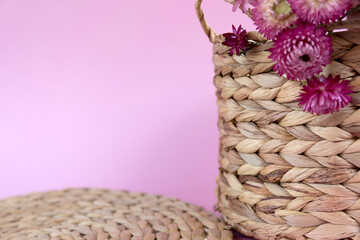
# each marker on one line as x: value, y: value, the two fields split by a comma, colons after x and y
x: 98, y: 214
x: 284, y: 173
x: 207, y: 29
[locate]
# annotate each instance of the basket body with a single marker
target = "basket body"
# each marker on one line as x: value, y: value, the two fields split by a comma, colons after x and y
x: 284, y: 173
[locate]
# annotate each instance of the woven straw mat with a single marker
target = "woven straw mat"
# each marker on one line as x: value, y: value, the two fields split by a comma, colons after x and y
x: 98, y: 214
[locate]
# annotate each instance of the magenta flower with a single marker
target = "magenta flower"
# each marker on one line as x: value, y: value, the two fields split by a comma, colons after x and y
x: 237, y: 40
x: 244, y: 5
x: 320, y: 11
x: 300, y: 52
x: 325, y: 95
x: 273, y: 16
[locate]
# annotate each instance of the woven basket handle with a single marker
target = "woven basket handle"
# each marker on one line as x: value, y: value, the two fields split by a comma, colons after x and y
x: 207, y: 29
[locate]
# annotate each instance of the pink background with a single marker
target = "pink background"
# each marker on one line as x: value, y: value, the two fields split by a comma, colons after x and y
x: 113, y: 94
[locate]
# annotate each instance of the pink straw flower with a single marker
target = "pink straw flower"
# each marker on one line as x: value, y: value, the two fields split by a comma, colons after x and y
x: 325, y: 95
x: 244, y: 5
x: 300, y: 52
x: 320, y: 11
x: 272, y: 16
x: 237, y: 40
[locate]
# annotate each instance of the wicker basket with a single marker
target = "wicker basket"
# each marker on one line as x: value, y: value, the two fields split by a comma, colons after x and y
x: 284, y: 173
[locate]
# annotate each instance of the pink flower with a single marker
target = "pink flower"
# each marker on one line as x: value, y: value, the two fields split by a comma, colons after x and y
x: 272, y: 16
x: 237, y: 40
x: 300, y: 52
x: 320, y: 11
x: 325, y: 95
x: 244, y: 5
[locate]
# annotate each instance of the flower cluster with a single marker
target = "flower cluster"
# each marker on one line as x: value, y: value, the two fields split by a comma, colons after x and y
x: 300, y: 52
x: 272, y: 16
x: 325, y: 95
x: 244, y: 5
x: 237, y: 40
x: 301, y: 45
x: 320, y: 11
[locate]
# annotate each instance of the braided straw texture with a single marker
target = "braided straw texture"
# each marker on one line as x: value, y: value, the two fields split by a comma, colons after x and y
x: 97, y: 214
x: 284, y: 173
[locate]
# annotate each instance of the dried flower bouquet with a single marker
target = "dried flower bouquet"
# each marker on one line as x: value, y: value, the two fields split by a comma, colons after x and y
x: 302, y: 45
